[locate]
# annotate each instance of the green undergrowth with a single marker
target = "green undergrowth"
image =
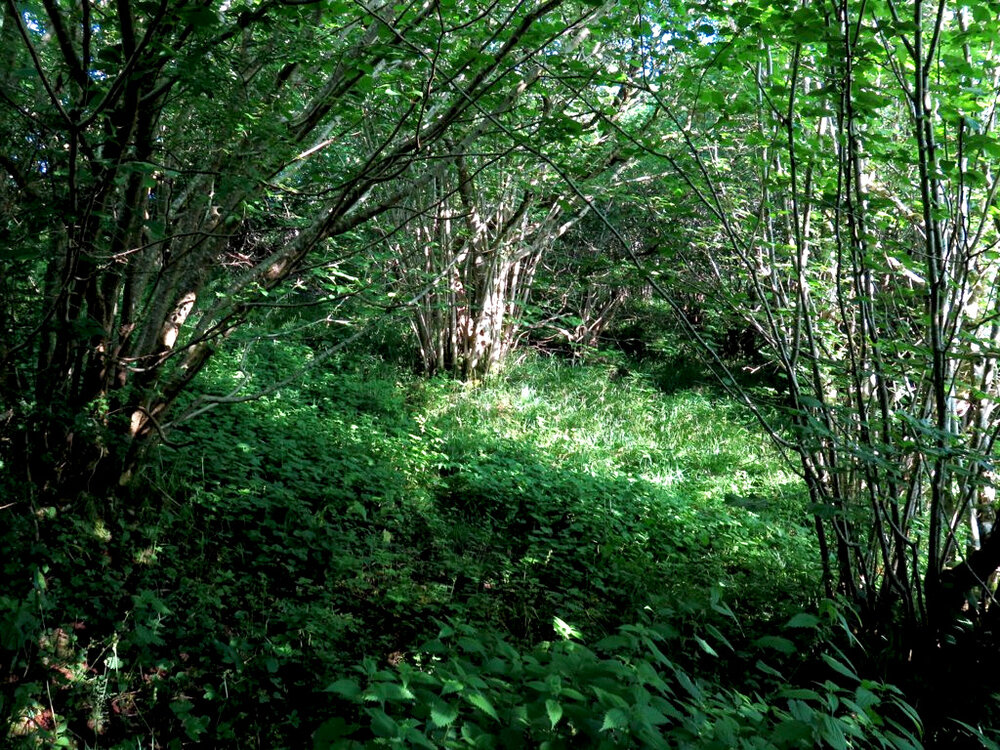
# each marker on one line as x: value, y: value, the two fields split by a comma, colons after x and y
x: 561, y: 555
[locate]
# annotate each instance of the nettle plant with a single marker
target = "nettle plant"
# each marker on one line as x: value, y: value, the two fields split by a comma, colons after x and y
x: 470, y: 687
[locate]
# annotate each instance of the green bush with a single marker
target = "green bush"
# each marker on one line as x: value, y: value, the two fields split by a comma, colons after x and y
x: 470, y: 688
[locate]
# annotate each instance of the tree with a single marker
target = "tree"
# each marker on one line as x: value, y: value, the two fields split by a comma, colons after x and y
x: 842, y: 156
x: 141, y: 134
x: 477, y: 251
x: 485, y: 213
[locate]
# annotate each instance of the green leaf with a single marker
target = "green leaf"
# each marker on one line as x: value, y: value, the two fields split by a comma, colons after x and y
x: 705, y: 646
x: 833, y: 734
x: 803, y: 620
x: 199, y: 16
x: 481, y: 702
x: 415, y: 737
x: 840, y: 667
x: 714, y: 632
x: 388, y: 691
x: 443, y: 714
x: 688, y: 685
x: 652, y: 716
x: 800, y: 694
x: 605, y: 697
x: 865, y: 697
x: 615, y: 718
x: 612, y: 643
x: 452, y: 686
x: 778, y: 643
x: 564, y: 629
x: 769, y: 670
x: 870, y: 100
x: 330, y: 731
x: 554, y: 710
x: 792, y: 733
x: 382, y: 724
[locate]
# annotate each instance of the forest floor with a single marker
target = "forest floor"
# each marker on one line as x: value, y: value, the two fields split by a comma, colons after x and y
x: 586, y: 556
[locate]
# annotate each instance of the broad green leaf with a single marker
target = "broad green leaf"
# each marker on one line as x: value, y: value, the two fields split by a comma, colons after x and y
x: 615, y: 718
x: 791, y: 732
x: 554, y: 710
x: 652, y: 716
x: 688, y: 685
x: 481, y: 702
x: 415, y: 737
x: 865, y: 697
x: 388, y: 691
x: 382, y: 724
x: 778, y: 643
x: 452, y: 686
x: 833, y: 734
x: 332, y: 730
x: 443, y: 714
x: 564, y: 629
x: 714, y: 632
x: 803, y: 620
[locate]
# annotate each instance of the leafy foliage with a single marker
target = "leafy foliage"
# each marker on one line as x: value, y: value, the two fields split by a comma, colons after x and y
x: 268, y: 564
x: 628, y: 690
x: 217, y: 508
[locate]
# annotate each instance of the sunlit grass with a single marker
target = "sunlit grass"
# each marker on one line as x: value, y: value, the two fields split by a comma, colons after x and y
x: 688, y: 439
x: 710, y: 501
